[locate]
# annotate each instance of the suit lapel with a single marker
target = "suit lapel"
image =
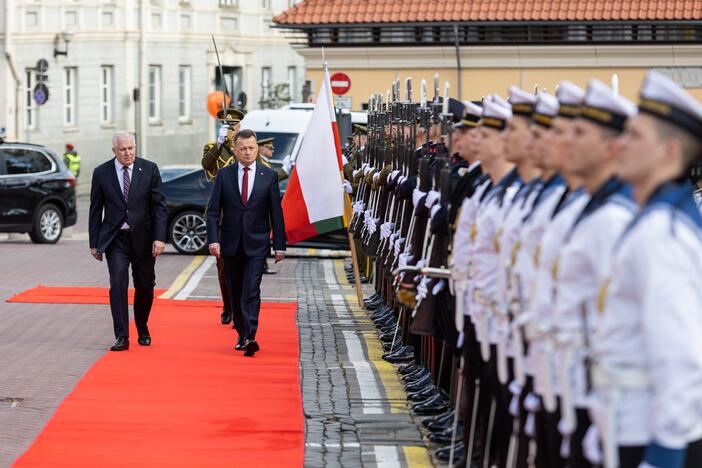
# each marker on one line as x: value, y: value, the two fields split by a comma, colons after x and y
x: 137, y: 170
x: 235, y: 174
x: 259, y: 182
x: 114, y: 180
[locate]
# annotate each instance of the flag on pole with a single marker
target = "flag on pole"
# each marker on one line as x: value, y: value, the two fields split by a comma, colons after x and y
x: 314, y: 199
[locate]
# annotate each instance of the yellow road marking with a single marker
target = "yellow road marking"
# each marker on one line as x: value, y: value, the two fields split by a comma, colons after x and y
x: 416, y: 456
x: 182, y: 278
x: 341, y: 273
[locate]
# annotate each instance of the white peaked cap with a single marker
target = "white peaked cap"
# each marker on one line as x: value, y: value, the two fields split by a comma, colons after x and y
x: 570, y: 98
x: 546, y: 109
x: 473, y: 109
x: 604, y: 107
x: 496, y: 112
x: 667, y: 100
x: 522, y: 101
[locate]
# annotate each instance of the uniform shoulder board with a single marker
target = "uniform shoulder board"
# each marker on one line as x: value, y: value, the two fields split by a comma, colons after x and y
x: 208, y: 146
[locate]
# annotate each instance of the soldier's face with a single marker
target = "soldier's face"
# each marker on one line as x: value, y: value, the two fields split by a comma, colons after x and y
x: 561, y: 136
x: 517, y: 136
x: 125, y: 150
x: 589, y: 147
x: 540, y: 153
x: 246, y: 150
x: 265, y: 151
x: 640, y: 149
x: 491, y: 144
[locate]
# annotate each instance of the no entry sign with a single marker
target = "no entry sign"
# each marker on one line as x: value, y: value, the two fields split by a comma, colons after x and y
x: 340, y: 83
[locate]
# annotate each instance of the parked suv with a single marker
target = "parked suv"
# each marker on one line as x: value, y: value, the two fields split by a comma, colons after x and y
x: 37, y: 192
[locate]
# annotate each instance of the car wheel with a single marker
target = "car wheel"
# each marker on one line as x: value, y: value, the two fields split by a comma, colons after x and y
x: 189, y: 233
x: 48, y: 225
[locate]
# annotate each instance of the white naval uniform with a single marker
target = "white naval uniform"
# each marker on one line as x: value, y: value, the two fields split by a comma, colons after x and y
x: 529, y: 254
x: 584, y: 259
x: 508, y: 247
x: 461, y: 253
x: 647, y: 350
x: 540, y: 346
x: 484, y: 271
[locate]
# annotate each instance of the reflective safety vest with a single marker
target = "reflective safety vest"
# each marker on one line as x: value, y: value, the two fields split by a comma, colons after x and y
x: 72, y: 162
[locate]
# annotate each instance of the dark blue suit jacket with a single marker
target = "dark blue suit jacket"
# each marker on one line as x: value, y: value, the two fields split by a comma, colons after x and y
x: 145, y: 211
x: 228, y: 220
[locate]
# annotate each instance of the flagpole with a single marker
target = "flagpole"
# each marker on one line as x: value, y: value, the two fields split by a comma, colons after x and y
x: 347, y: 216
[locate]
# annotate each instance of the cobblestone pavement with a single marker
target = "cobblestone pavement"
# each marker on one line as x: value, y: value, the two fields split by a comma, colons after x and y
x: 355, y: 407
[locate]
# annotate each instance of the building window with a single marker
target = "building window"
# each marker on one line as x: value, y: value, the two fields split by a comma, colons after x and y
x: 30, y: 116
x: 266, y: 4
x: 69, y: 96
x: 266, y: 73
x: 156, y: 21
x: 108, y: 19
x: 106, y: 95
x: 71, y: 18
x: 184, y: 93
x: 292, y: 83
x: 154, y: 93
x: 185, y: 22
x: 228, y: 3
x: 31, y: 19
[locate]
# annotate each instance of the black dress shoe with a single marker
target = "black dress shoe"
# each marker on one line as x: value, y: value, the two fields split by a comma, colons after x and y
x: 440, y: 422
x: 240, y: 344
x: 250, y: 348
x: 428, y: 391
x: 444, y: 453
x: 408, y: 368
x: 122, y: 344
x: 144, y: 340
x: 226, y: 317
x: 446, y: 436
x: 429, y: 408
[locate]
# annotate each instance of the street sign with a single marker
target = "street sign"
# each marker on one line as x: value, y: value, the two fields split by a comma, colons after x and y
x: 343, y: 102
x: 40, y: 94
x: 340, y: 83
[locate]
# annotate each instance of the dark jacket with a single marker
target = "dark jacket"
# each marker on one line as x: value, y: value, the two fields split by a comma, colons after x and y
x: 145, y: 211
x: 228, y: 219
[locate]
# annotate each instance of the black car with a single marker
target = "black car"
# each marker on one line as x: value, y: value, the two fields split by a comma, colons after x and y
x: 37, y: 192
x: 187, y: 190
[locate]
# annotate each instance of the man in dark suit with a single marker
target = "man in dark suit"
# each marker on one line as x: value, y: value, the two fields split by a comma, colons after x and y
x: 244, y: 206
x: 127, y: 223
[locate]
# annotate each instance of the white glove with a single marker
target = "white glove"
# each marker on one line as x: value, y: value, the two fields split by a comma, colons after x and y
x: 346, y: 185
x: 358, y: 207
x: 416, y: 196
x: 398, y: 246
x: 223, y: 131
x: 386, y: 229
x: 438, y: 287
x: 287, y: 164
x: 432, y: 197
x: 422, y: 288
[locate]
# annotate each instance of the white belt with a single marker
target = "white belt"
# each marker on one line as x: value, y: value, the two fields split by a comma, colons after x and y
x: 621, y: 378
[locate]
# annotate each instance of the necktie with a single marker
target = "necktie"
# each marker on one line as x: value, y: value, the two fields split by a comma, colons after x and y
x: 245, y: 186
x: 126, y: 181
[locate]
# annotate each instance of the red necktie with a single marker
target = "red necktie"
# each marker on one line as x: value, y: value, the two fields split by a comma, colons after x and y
x: 245, y: 186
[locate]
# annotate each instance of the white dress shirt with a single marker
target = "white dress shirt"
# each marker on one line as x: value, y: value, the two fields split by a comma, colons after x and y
x: 252, y: 176
x: 120, y: 178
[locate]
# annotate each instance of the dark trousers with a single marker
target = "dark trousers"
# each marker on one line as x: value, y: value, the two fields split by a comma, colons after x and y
x: 631, y: 457
x: 120, y: 254
x: 224, y: 291
x: 244, y: 285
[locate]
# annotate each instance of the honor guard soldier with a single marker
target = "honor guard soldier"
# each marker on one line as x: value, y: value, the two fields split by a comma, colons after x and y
x: 216, y: 156
x: 485, y: 253
x: 646, y: 368
x: 580, y: 241
x: 265, y: 153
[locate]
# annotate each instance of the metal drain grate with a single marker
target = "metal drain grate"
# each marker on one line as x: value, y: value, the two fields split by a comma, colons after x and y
x: 9, y: 402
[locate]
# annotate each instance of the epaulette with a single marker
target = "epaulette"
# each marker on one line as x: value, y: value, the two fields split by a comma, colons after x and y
x: 208, y: 146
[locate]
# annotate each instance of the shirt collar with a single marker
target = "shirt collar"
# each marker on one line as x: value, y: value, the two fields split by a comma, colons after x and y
x: 252, y: 167
x: 119, y: 165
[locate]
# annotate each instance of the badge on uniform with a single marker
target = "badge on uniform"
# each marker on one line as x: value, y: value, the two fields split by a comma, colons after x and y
x: 462, y: 171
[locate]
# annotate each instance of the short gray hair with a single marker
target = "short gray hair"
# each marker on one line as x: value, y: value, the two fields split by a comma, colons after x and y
x: 120, y: 135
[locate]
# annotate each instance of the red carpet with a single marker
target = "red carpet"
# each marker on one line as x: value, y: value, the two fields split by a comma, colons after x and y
x: 70, y: 295
x: 188, y: 400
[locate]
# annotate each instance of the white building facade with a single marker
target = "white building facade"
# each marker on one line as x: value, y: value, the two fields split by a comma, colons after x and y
x: 144, y: 66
